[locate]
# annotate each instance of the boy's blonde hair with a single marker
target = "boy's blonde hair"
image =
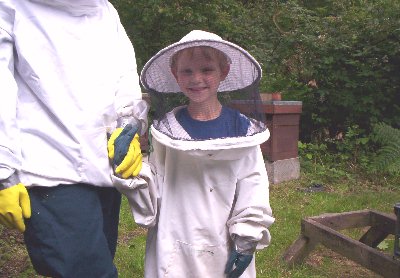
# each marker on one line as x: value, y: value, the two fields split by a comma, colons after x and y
x: 208, y: 52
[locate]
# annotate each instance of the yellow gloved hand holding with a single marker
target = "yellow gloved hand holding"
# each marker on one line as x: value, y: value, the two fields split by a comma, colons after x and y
x: 124, y: 149
x: 15, y: 205
x: 132, y: 163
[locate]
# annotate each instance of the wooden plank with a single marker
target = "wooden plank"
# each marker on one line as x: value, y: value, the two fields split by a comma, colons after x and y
x: 352, y: 249
x: 285, y: 120
x: 299, y: 250
x: 382, y: 224
x: 282, y: 107
x: 270, y: 107
x: 344, y: 220
x: 384, y: 220
x: 374, y: 236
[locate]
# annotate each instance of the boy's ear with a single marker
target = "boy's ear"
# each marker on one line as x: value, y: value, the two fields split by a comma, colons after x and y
x: 173, y: 71
x: 225, y: 71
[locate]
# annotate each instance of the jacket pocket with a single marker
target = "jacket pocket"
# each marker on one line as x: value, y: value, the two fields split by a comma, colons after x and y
x: 188, y: 260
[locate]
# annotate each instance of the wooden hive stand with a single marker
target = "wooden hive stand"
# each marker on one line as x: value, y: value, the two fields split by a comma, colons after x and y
x: 324, y: 229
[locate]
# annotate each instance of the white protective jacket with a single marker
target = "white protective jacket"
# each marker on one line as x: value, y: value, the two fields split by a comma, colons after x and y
x: 66, y: 77
x: 206, y: 191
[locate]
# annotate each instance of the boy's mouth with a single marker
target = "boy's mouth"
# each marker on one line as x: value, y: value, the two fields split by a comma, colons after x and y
x: 197, y: 89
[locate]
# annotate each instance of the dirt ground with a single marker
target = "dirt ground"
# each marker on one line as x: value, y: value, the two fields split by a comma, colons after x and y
x: 346, y: 268
x: 13, y: 255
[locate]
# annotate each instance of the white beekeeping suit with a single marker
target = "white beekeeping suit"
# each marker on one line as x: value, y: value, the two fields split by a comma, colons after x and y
x: 68, y: 79
x: 212, y: 194
x: 95, y: 85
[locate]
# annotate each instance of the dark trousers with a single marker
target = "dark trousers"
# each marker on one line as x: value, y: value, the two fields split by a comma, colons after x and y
x: 73, y: 230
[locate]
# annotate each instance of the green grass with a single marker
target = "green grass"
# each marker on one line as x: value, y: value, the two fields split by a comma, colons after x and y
x: 131, y: 245
x: 290, y: 204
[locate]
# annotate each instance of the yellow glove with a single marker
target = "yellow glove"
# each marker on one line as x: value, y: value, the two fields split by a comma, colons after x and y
x: 14, y: 206
x: 125, y: 140
x: 132, y: 163
x: 110, y: 143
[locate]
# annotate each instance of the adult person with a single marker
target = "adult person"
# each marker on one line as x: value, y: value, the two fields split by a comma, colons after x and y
x: 68, y: 80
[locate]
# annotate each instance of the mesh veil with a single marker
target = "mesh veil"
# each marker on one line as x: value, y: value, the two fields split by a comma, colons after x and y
x: 239, y: 91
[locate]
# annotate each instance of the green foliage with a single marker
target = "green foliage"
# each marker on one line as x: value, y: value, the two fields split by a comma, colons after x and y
x: 320, y: 164
x: 388, y: 155
x: 354, y: 155
x: 350, y: 49
x: 152, y: 25
x: 348, y: 148
x: 340, y: 57
x: 351, y: 147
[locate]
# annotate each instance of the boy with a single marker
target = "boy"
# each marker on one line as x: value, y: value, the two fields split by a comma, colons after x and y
x: 209, y: 174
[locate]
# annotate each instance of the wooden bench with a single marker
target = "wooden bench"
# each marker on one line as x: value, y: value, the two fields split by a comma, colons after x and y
x: 324, y: 229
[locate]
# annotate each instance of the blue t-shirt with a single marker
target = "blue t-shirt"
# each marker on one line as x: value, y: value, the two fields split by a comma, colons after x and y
x: 229, y: 124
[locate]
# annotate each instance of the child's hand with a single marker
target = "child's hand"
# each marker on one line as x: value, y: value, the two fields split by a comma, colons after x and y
x: 241, y: 261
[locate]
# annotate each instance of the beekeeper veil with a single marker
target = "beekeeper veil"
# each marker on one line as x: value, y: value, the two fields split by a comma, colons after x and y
x: 238, y: 90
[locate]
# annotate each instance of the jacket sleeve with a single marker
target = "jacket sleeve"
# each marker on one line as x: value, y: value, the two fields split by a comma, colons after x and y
x: 10, y: 157
x: 252, y: 215
x: 142, y: 196
x: 129, y: 103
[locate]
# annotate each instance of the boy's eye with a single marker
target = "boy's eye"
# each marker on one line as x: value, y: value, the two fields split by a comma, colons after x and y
x: 186, y: 71
x: 207, y: 69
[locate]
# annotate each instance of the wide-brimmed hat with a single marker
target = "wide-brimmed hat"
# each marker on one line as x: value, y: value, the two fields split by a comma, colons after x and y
x: 244, y: 69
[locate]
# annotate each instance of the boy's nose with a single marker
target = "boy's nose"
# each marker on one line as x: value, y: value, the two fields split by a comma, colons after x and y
x: 196, y: 77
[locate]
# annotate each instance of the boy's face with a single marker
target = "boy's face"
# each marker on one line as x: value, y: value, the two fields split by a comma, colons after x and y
x: 199, y: 75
